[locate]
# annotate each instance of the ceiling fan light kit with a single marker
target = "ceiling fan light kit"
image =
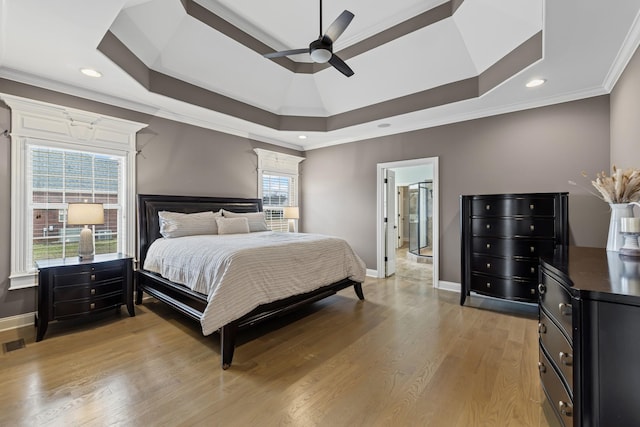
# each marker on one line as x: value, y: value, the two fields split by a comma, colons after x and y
x: 321, y: 50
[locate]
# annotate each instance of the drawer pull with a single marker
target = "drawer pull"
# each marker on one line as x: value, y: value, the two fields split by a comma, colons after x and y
x: 93, y: 277
x: 93, y: 291
x: 533, y: 291
x: 565, y: 409
x: 532, y: 227
x: 488, y: 265
x: 532, y: 249
x: 532, y: 206
x: 566, y: 358
x: 542, y: 368
x: 542, y: 288
x: 542, y: 328
x: 533, y: 269
x: 488, y: 207
x: 92, y: 305
x: 488, y: 245
x: 565, y: 309
x: 488, y: 284
x: 488, y: 226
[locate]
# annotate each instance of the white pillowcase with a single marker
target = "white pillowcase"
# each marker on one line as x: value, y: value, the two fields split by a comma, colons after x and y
x: 232, y: 225
x: 256, y: 220
x: 177, y: 224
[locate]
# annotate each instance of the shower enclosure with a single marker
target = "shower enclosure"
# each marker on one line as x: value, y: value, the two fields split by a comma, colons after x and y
x: 421, y: 218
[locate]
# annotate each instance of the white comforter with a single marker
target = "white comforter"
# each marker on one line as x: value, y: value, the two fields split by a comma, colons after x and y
x: 238, y: 272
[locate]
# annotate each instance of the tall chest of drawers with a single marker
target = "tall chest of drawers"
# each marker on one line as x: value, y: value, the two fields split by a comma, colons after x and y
x: 503, y: 236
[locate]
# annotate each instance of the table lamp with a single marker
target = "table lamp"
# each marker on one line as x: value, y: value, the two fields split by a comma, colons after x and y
x: 292, y: 213
x: 85, y: 214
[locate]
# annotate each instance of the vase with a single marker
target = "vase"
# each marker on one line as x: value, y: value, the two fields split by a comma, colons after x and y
x: 615, y: 240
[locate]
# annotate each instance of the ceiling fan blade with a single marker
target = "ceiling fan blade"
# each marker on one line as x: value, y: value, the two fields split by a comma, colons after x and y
x: 286, y: 53
x: 341, y: 66
x: 337, y: 27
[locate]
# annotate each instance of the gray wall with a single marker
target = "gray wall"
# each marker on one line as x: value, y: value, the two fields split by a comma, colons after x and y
x: 625, y: 117
x: 536, y: 150
x: 176, y: 159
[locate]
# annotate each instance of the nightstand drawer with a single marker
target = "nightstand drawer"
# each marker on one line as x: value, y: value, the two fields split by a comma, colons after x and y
x: 68, y: 293
x: 79, y: 307
x: 67, y: 277
x: 556, y: 300
x: 554, y: 389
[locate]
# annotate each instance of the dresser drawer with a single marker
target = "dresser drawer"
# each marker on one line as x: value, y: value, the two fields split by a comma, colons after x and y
x: 555, y: 391
x: 507, y: 267
x: 79, y: 307
x: 513, y: 227
x: 87, y: 275
x: 68, y: 293
x: 512, y: 247
x: 558, y: 347
x: 514, y: 289
x: 556, y: 300
x: 513, y: 206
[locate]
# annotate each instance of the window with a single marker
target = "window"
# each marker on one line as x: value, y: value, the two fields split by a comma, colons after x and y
x: 59, y: 177
x: 58, y: 156
x: 277, y: 185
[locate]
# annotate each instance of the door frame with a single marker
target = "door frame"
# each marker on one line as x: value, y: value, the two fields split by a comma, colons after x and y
x: 380, y: 214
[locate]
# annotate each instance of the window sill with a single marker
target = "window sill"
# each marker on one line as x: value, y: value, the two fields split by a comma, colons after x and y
x: 23, y: 281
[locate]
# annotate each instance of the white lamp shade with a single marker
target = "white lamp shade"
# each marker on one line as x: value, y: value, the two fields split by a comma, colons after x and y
x: 291, y: 212
x: 85, y: 214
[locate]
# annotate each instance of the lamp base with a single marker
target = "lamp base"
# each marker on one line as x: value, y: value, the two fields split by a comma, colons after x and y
x: 86, y: 249
x: 292, y: 226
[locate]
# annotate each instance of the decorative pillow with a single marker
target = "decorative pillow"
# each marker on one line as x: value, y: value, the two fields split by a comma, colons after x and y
x: 177, y: 224
x: 256, y: 220
x: 232, y: 225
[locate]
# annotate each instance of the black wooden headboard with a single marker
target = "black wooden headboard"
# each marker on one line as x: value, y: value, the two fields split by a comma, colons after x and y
x: 150, y: 204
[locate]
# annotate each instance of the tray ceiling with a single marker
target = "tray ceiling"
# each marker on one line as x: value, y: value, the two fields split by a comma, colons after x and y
x: 417, y: 63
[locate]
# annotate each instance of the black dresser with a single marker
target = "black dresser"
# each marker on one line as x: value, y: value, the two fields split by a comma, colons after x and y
x: 589, y: 338
x: 503, y: 236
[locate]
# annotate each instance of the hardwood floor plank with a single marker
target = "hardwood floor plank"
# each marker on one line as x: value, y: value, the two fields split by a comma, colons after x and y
x: 408, y: 355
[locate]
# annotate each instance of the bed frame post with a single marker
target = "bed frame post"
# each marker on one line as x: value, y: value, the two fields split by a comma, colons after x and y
x: 228, y: 343
x: 358, y: 288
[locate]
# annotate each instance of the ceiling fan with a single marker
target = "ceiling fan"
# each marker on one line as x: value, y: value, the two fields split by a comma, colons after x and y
x: 321, y: 50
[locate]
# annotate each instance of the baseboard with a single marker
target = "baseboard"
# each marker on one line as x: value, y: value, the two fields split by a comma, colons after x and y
x: 19, y: 321
x: 372, y: 273
x: 449, y: 286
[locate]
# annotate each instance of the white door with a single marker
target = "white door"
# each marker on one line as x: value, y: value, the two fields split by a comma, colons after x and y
x: 391, y: 223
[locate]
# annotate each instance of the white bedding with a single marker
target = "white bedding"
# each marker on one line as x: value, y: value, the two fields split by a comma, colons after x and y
x: 238, y: 272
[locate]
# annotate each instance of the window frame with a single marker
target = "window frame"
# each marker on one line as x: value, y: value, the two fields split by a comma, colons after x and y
x: 65, y: 128
x: 280, y: 164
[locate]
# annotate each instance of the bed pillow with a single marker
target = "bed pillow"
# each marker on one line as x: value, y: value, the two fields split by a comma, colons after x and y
x: 177, y: 224
x: 232, y: 225
x: 256, y: 220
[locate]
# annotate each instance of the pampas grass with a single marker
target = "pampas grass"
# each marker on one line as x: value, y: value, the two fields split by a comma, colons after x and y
x: 622, y: 186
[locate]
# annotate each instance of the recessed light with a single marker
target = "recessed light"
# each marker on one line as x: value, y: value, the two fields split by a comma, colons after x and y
x: 302, y: 136
x: 90, y: 72
x: 535, y: 82
x: 384, y: 125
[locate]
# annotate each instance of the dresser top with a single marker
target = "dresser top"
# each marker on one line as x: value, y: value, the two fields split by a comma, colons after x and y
x: 595, y: 273
x: 47, y: 263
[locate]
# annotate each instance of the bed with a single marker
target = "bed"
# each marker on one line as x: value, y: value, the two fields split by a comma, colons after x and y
x: 205, y: 306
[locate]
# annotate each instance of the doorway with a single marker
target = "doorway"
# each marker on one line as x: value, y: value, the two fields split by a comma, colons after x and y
x: 395, y: 228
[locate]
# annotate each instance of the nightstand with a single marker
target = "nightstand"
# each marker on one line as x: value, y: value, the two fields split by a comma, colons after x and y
x: 69, y: 288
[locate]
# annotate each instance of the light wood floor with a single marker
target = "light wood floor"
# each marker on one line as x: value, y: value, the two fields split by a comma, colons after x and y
x: 407, y: 356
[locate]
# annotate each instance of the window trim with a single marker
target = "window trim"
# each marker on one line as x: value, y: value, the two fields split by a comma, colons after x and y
x: 273, y: 162
x: 64, y: 128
